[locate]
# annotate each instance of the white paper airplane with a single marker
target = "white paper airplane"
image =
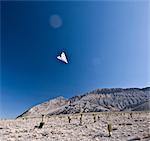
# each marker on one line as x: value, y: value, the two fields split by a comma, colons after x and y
x: 63, y: 58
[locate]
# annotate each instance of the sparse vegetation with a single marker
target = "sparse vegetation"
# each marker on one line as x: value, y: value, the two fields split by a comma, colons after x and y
x: 59, y: 129
x: 81, y: 118
x: 69, y: 119
x: 94, y: 117
x: 41, y: 123
x: 131, y: 115
x: 109, y: 128
x: 42, y: 118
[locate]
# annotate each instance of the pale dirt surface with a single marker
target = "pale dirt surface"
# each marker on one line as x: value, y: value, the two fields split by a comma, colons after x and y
x: 57, y: 128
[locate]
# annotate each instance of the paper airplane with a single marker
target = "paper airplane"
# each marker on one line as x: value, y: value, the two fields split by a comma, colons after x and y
x: 62, y: 58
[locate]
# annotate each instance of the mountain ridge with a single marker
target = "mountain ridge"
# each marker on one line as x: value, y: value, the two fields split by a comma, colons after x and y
x: 98, y: 100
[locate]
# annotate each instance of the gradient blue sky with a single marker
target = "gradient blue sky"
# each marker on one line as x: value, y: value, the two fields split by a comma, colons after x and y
x: 106, y: 43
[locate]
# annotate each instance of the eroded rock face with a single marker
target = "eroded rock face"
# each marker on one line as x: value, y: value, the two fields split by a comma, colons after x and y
x: 45, y: 108
x: 115, y: 99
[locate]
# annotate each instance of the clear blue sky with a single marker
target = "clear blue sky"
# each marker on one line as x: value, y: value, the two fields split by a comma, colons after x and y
x: 106, y: 44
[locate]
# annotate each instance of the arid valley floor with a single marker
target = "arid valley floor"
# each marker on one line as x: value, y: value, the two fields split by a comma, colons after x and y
x: 125, y: 127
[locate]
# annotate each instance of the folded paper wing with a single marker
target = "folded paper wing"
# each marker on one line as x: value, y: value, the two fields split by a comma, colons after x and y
x: 62, y: 58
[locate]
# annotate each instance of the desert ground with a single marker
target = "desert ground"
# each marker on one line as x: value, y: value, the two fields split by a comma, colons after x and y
x: 82, y: 127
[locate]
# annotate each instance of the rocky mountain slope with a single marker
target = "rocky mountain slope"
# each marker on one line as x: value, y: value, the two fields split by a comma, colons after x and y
x: 99, y: 100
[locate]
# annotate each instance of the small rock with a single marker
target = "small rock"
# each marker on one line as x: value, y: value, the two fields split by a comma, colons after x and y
x: 146, y: 136
x: 134, y: 139
x: 19, y: 136
x: 128, y: 123
x: 114, y: 129
x: 44, y: 134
